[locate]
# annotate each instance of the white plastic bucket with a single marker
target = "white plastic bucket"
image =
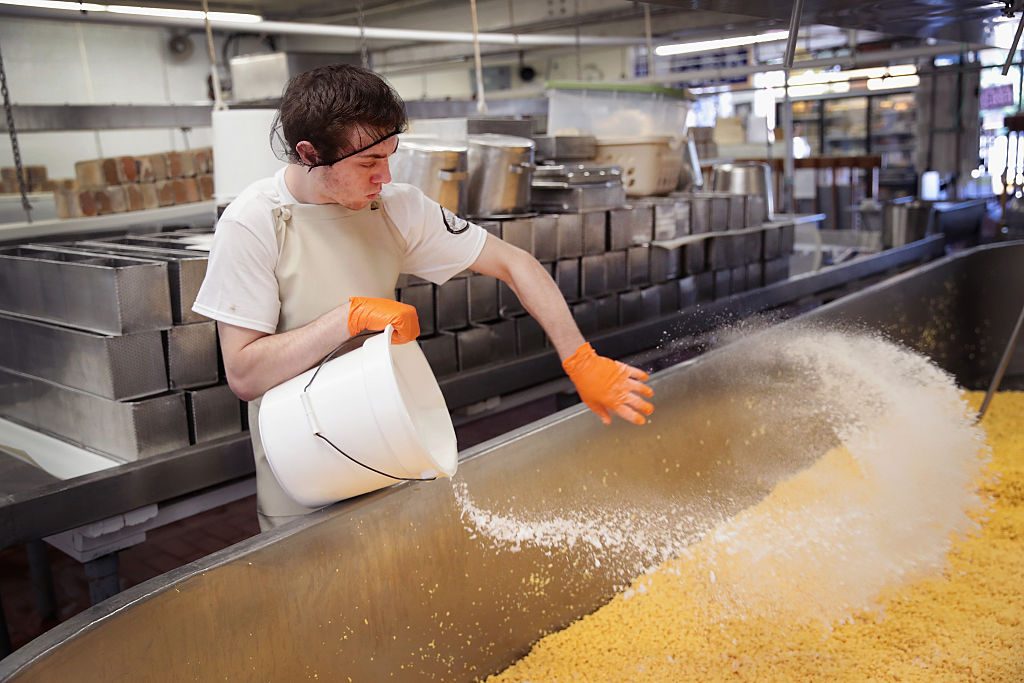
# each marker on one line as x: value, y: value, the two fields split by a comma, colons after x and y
x: 379, y: 404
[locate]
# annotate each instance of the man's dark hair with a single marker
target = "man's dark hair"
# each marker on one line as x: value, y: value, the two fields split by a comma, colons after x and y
x: 327, y: 104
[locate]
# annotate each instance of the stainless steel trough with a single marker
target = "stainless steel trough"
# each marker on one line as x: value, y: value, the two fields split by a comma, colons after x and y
x: 394, y: 586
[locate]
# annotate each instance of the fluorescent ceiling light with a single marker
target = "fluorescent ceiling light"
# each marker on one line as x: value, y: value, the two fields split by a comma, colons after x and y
x: 902, y: 70
x: 812, y: 77
x: 804, y: 90
x: 893, y: 82
x: 706, y: 45
x: 182, y: 13
x: 137, y: 11
x: 52, y: 4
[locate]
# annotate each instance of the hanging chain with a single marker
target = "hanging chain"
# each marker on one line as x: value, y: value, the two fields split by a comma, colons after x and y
x: 20, y: 170
x: 576, y: 20
x: 364, y: 53
x: 512, y: 24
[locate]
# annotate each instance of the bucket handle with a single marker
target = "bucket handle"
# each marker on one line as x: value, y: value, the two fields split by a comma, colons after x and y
x: 314, y: 423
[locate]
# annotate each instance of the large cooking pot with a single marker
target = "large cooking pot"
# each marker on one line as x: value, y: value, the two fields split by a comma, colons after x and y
x: 746, y: 178
x: 500, y: 172
x: 438, y: 167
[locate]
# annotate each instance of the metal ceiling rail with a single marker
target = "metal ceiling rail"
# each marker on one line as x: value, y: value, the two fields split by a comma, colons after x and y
x: 38, y: 118
x: 330, y: 31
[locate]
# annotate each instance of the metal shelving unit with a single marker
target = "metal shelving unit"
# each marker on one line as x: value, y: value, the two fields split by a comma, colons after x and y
x: 882, y: 124
x: 894, y: 138
x: 846, y: 125
x: 807, y: 123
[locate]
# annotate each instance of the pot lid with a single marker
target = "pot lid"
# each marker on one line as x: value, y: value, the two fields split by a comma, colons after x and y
x: 428, y: 143
x: 498, y: 140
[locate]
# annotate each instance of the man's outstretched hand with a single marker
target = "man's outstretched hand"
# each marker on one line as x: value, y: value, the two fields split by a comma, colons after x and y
x: 608, y: 386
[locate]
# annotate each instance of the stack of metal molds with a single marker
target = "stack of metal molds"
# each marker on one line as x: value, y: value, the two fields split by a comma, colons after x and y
x: 99, y: 345
x: 615, y: 265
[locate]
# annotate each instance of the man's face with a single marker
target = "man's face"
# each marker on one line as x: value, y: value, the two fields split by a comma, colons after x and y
x: 356, y: 181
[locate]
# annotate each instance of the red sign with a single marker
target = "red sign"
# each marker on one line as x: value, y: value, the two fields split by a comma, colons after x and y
x: 996, y: 97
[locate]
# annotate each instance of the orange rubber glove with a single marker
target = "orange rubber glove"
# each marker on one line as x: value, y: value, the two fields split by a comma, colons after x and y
x: 376, y: 314
x: 606, y: 385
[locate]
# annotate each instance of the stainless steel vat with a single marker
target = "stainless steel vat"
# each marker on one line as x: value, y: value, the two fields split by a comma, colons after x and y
x: 394, y: 585
x: 500, y: 172
x: 745, y: 178
x: 438, y: 167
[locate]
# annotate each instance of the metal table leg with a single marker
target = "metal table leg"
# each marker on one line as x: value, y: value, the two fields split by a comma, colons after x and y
x: 42, y: 579
x: 104, y: 581
x: 5, y: 637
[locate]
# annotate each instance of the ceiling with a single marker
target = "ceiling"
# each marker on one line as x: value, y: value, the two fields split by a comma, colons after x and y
x: 956, y: 20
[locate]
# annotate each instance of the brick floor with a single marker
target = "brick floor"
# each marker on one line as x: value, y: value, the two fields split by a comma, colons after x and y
x: 175, y: 545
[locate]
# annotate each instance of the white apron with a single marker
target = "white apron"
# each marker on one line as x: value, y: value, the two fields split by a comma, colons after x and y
x: 327, y: 253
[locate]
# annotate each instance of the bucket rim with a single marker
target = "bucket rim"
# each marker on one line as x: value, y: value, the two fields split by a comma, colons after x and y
x: 406, y: 418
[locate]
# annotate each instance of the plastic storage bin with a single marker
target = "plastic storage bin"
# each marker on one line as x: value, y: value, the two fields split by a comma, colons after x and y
x: 650, y: 164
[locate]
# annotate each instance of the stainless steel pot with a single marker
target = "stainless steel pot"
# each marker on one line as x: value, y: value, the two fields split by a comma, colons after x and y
x: 904, y: 220
x: 436, y: 166
x: 747, y: 178
x: 500, y: 172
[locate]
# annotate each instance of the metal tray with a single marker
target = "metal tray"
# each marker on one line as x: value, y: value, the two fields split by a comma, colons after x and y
x: 578, y: 174
x: 110, y: 295
x: 124, y: 430
x: 122, y: 367
x: 567, y: 197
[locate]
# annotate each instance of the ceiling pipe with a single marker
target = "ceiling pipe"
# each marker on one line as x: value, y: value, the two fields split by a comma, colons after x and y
x: 328, y: 31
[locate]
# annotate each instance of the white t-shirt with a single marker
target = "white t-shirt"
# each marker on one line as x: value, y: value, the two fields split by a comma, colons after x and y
x: 241, y: 288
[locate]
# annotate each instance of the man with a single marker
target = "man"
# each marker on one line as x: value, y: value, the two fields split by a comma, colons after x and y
x: 308, y: 258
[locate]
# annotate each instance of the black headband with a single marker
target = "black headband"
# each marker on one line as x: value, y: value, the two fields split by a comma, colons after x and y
x: 392, y: 134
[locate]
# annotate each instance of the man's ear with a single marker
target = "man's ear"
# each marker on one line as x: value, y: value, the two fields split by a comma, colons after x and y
x: 307, y: 152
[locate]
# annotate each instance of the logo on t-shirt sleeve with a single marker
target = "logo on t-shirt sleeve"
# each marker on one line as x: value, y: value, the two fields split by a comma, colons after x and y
x: 453, y: 223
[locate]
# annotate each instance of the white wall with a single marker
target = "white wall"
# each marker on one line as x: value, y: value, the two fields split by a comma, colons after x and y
x: 57, y: 62
x: 599, y: 63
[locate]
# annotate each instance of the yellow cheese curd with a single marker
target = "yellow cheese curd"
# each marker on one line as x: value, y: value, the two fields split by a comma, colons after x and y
x: 966, y: 624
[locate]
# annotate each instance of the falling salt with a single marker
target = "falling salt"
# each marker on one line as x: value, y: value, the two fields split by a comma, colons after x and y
x: 882, y: 520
